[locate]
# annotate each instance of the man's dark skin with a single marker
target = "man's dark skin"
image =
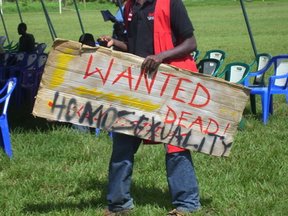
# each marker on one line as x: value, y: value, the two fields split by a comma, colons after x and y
x: 152, y: 62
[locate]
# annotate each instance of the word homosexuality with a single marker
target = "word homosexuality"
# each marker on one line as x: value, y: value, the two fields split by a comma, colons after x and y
x: 99, y: 87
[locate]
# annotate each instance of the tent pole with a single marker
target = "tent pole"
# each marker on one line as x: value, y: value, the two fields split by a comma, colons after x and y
x: 50, y: 26
x: 78, y: 14
x: 1, y: 3
x: 3, y: 22
x: 19, y: 12
x: 248, y: 27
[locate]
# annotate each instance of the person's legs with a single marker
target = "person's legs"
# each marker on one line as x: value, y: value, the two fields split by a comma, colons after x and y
x: 120, y: 172
x: 182, y: 181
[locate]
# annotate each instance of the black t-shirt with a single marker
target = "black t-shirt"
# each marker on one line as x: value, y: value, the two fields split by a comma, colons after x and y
x: 26, y: 43
x: 140, y: 28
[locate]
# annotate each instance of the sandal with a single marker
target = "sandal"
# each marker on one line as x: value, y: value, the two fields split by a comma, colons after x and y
x: 175, y: 212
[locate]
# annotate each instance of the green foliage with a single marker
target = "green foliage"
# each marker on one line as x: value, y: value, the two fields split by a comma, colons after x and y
x: 59, y: 171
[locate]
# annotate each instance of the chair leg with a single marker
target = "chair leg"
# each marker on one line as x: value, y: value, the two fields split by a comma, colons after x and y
x: 17, y: 95
x: 6, y: 140
x: 97, y: 131
x: 241, y: 124
x: 253, y: 103
x: 271, y: 104
x: 265, y: 108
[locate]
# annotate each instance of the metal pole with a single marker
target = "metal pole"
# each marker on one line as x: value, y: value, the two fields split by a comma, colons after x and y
x: 60, y: 6
x: 19, y: 12
x: 1, y: 3
x: 248, y: 27
x: 49, y: 23
x: 49, y: 27
x: 2, y: 18
x: 78, y: 14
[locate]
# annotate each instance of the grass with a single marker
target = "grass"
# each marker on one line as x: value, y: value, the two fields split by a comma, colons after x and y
x: 56, y: 170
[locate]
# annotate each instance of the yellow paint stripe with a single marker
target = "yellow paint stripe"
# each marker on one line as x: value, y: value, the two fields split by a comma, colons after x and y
x: 123, y: 99
x: 62, y: 61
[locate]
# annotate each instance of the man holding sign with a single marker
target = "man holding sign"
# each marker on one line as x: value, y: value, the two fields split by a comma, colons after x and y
x: 161, y: 32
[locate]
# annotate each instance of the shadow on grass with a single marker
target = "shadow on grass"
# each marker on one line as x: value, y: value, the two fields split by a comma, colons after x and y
x: 142, y: 195
x: 23, y: 118
x: 247, y: 113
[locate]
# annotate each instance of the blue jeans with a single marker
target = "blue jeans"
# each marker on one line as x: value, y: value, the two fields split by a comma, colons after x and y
x: 181, y: 176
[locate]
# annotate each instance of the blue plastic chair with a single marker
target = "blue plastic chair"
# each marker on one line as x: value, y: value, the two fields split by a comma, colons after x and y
x: 260, y: 62
x: 40, y: 48
x: 8, y: 62
x: 5, y: 94
x: 277, y: 84
x: 30, y: 77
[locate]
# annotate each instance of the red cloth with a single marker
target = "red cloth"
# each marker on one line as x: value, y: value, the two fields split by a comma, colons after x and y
x: 170, y: 148
x: 163, y: 36
x: 127, y: 11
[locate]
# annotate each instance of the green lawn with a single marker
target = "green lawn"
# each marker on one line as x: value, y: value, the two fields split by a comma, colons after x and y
x: 56, y: 170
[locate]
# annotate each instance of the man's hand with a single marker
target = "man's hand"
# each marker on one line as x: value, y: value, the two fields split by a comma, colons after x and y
x: 151, y: 64
x: 106, y: 41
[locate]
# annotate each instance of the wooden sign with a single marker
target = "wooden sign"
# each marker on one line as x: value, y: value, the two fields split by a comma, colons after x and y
x: 102, y: 88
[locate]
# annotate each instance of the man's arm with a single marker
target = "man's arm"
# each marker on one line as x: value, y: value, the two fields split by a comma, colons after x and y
x: 114, y: 42
x: 182, y: 29
x: 152, y: 62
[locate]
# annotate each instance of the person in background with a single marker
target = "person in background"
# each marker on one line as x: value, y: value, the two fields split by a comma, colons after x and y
x: 87, y: 39
x: 119, y: 31
x: 26, y: 40
x: 120, y: 12
x: 160, y: 32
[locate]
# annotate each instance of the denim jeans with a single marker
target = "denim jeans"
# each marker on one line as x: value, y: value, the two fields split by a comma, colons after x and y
x: 181, y: 176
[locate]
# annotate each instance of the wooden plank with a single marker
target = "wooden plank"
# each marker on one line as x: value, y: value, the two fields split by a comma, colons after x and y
x: 99, y: 87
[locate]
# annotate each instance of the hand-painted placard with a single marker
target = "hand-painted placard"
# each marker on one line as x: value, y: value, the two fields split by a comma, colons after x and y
x: 99, y: 87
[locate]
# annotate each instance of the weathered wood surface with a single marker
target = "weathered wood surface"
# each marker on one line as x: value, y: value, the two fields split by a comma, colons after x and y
x: 98, y: 87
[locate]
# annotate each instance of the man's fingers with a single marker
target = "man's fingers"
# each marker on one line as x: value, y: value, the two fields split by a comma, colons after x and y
x: 150, y: 65
x: 143, y: 66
